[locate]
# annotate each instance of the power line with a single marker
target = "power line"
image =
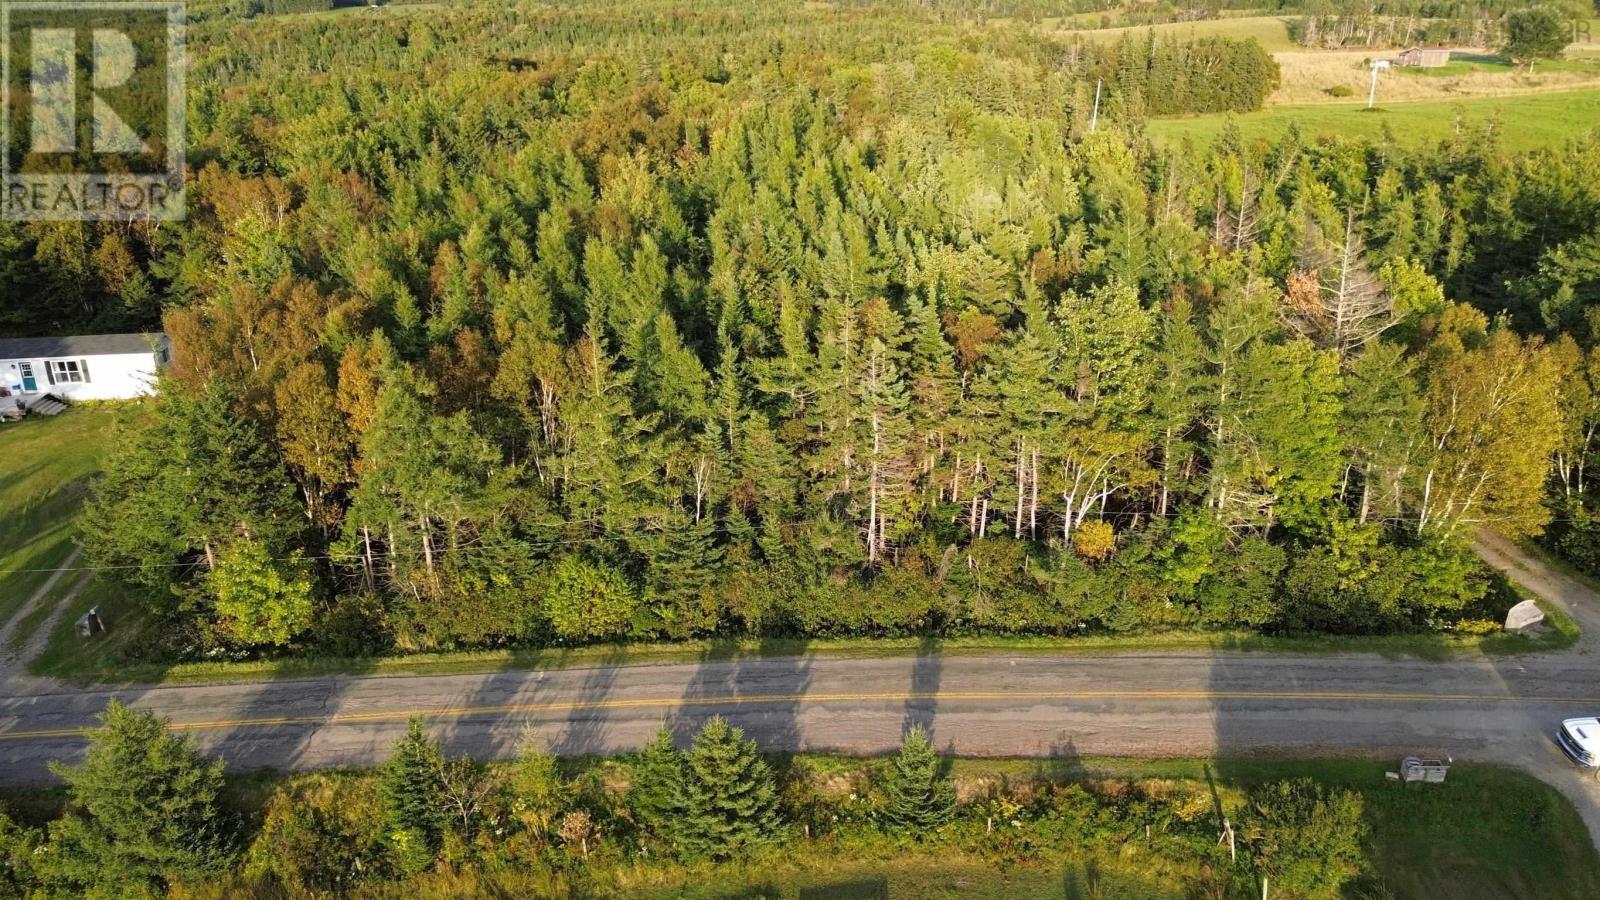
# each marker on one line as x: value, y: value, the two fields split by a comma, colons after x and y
x: 390, y: 553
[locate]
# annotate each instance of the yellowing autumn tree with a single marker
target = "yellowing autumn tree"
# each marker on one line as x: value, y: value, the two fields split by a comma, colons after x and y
x: 1492, y: 420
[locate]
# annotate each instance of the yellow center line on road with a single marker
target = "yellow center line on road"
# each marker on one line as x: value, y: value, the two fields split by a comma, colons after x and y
x: 460, y: 712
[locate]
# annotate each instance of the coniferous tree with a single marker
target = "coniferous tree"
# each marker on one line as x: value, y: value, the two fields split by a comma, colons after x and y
x: 883, y: 404
x: 920, y: 797
x: 409, y: 790
x: 727, y: 796
x: 656, y: 785
x: 683, y: 569
x: 1177, y: 393
x: 191, y: 478
x: 144, y: 809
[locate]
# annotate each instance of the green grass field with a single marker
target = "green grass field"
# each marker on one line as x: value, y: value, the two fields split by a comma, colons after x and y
x: 1527, y: 122
x: 47, y: 466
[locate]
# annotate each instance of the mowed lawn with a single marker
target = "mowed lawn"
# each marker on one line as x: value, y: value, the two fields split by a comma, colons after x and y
x: 1527, y: 122
x: 47, y: 463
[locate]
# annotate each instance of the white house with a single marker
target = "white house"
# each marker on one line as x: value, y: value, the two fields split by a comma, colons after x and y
x: 85, y: 367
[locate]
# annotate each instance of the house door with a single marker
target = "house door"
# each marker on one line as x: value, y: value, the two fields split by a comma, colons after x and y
x: 30, y: 384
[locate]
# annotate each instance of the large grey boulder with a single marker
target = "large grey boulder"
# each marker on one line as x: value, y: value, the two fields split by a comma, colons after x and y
x: 1523, y: 616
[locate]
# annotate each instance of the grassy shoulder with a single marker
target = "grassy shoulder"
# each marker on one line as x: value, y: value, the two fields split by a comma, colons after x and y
x: 111, y: 658
x: 1526, y: 122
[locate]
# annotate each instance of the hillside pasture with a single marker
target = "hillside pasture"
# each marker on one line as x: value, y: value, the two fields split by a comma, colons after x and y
x: 1308, y: 75
x: 1527, y: 122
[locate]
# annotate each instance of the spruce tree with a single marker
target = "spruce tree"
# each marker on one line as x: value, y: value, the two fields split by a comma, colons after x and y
x: 656, y: 784
x: 683, y: 570
x: 920, y: 798
x: 409, y: 790
x: 187, y: 478
x: 143, y: 808
x: 728, y: 798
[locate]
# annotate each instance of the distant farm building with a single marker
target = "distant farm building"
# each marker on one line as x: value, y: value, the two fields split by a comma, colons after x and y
x: 1423, y: 57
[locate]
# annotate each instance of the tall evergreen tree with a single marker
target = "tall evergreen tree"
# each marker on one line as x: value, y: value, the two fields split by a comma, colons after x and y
x: 144, y: 810
x: 655, y: 786
x: 920, y: 797
x: 409, y: 790
x: 727, y: 795
x: 194, y: 476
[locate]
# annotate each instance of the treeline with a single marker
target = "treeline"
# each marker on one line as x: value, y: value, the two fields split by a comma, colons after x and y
x: 1169, y: 77
x: 1474, y: 23
x: 146, y: 815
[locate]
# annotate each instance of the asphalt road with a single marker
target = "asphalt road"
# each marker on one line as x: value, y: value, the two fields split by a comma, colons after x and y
x: 1161, y: 705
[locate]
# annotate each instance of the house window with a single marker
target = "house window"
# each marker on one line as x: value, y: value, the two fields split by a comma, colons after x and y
x: 68, y: 371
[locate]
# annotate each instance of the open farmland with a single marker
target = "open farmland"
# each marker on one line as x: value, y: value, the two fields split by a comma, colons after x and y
x: 1310, y: 75
x: 1526, y: 122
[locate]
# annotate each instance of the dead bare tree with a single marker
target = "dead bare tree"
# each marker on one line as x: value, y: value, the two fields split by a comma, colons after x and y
x: 1333, y: 298
x: 1235, y: 227
x: 464, y: 785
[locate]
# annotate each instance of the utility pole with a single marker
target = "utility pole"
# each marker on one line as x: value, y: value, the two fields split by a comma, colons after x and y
x: 1094, y: 120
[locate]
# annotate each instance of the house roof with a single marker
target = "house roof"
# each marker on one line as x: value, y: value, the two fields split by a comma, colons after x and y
x: 77, y: 345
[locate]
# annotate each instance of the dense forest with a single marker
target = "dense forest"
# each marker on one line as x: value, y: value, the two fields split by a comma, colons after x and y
x: 532, y: 323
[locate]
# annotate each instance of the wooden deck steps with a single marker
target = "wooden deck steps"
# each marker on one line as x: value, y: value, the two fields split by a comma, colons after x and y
x: 48, y: 405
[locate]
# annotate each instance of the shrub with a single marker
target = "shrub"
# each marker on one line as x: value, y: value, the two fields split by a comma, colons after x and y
x: 353, y: 625
x: 319, y: 836
x: 538, y: 792
x: 1307, y: 838
x: 261, y: 600
x: 16, y: 848
x: 1339, y: 90
x: 1246, y: 592
x: 589, y: 601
